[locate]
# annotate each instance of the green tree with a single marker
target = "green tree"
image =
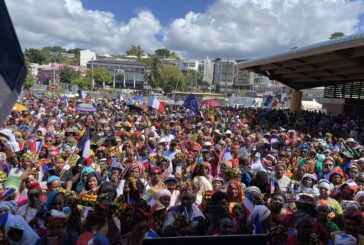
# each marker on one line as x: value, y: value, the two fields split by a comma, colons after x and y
x: 166, y: 53
x: 37, y: 56
x: 170, y: 77
x: 83, y: 82
x: 135, y: 50
x: 194, y: 79
x: 54, y: 49
x: 101, y: 75
x: 154, y: 71
x: 29, y: 79
x: 67, y: 75
x: 336, y: 35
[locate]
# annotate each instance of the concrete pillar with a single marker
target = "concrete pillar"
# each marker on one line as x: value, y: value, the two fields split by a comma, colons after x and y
x: 296, y: 100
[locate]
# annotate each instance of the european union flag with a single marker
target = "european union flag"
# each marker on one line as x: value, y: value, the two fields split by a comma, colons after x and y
x: 192, y: 104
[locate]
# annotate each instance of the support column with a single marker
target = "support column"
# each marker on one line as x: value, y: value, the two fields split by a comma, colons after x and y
x: 296, y: 100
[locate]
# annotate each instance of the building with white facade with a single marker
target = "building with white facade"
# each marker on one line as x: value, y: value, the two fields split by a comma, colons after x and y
x: 86, y: 56
x: 206, y: 69
x: 188, y: 65
x: 223, y: 78
x: 126, y: 72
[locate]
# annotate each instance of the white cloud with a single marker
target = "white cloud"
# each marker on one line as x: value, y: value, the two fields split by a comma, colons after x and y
x: 251, y: 28
x: 228, y: 28
x: 67, y: 23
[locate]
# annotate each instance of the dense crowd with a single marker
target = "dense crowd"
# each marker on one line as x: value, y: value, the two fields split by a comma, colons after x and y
x: 122, y: 174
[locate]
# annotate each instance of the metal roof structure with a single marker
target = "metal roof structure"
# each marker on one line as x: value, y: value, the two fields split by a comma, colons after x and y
x: 331, y: 62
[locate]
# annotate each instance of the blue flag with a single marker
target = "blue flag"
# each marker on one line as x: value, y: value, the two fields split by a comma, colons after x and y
x: 185, y: 213
x: 268, y: 102
x: 152, y: 234
x: 192, y: 104
x: 65, y: 101
x: 257, y: 225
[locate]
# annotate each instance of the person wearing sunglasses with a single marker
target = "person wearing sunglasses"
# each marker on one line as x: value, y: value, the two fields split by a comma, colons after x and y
x: 155, y: 184
x: 29, y: 211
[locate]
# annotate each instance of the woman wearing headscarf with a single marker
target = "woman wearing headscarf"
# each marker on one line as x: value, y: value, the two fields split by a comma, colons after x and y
x: 324, y: 194
x: 18, y: 232
x: 235, y: 194
x: 135, y: 170
x: 308, y: 185
x: 83, y: 178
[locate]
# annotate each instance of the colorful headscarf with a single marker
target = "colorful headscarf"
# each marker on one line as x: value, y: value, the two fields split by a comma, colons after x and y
x: 81, y: 184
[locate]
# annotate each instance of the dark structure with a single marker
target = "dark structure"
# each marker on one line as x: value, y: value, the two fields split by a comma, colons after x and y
x: 337, y: 64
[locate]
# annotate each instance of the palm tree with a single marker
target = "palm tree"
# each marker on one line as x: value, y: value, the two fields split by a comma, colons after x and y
x: 154, y: 71
x: 136, y: 50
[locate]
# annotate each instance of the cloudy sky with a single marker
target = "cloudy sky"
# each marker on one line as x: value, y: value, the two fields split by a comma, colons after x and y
x: 191, y: 28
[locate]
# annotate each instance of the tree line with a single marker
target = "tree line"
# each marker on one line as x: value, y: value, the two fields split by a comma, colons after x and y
x: 158, y: 75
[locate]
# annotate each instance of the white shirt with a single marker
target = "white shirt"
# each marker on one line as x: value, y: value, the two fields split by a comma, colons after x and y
x: 196, y: 212
x: 27, y: 212
x: 283, y: 183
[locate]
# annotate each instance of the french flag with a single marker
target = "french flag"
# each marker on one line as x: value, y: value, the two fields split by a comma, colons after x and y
x: 84, y: 144
x: 273, y: 139
x: 227, y: 155
x: 248, y: 203
x: 152, y: 204
x: 155, y: 103
x: 351, y: 183
x: 35, y: 146
x: 272, y: 186
x: 145, y: 162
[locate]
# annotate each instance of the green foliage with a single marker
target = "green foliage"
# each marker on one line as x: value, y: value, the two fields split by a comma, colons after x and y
x: 193, y: 78
x: 67, y: 75
x: 29, y: 79
x: 154, y: 70
x: 336, y: 35
x: 100, y: 75
x: 54, y: 49
x: 37, y: 56
x: 83, y: 82
x: 47, y: 55
x: 135, y: 50
x: 166, y: 53
x: 170, y: 77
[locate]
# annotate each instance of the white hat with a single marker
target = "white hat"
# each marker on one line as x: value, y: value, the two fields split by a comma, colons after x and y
x: 228, y: 132
x: 207, y: 143
x: 217, y: 131
x: 350, y: 140
x: 162, y: 140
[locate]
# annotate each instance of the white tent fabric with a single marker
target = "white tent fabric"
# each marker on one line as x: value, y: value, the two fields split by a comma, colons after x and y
x: 311, y: 105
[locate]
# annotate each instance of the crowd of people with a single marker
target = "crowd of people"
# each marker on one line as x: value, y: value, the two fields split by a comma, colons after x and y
x: 122, y: 173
